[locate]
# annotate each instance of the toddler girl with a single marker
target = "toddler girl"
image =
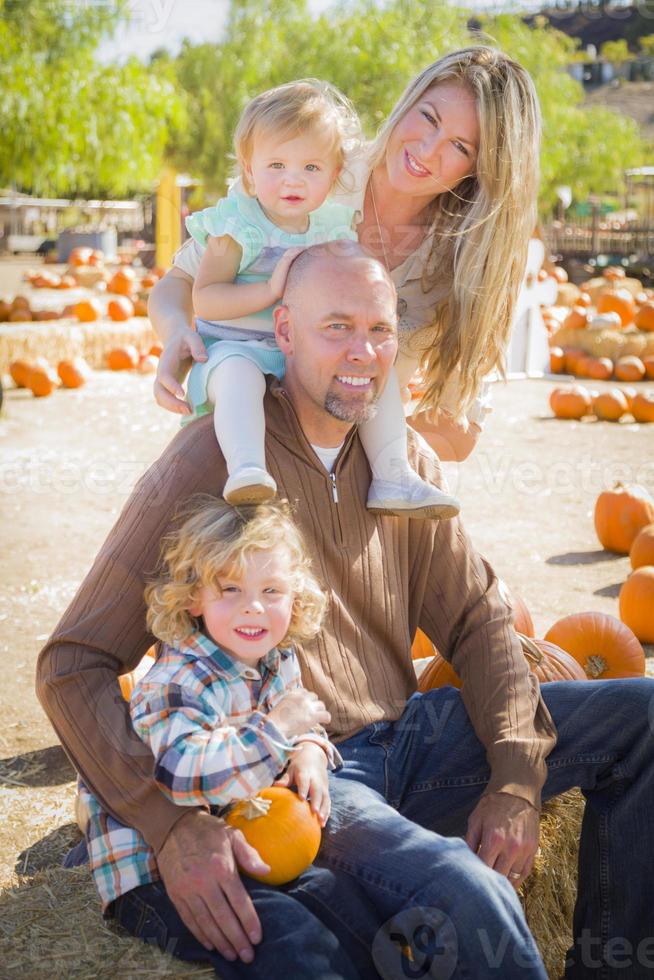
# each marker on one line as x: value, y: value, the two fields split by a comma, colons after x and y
x: 291, y: 145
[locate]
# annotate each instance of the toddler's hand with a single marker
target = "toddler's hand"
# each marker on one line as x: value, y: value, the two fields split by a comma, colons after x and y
x: 298, y: 712
x: 308, y: 773
x: 277, y: 282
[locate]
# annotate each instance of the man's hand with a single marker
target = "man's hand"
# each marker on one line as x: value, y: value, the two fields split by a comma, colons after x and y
x: 198, y: 866
x: 177, y: 357
x: 503, y: 830
x: 308, y: 772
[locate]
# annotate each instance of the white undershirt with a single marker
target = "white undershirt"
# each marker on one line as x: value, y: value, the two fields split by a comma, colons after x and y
x: 327, y: 456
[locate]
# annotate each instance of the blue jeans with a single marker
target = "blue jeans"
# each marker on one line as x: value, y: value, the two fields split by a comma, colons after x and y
x: 417, y: 780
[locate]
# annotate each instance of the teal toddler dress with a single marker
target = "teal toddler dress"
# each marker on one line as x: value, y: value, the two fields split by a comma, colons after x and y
x: 263, y: 244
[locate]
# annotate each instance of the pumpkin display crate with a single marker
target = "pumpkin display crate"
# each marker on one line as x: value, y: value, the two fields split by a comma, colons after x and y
x: 66, y: 340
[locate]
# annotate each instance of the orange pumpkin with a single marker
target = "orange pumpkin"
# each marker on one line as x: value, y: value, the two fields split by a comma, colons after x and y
x: 642, y: 406
x: 599, y: 368
x: 283, y: 830
x: 629, y: 368
x: 584, y: 299
x: 80, y: 256
x: 20, y: 315
x: 42, y: 380
x: 618, y: 301
x: 637, y: 603
x: 644, y: 319
x: 522, y: 621
x: 123, y: 358
x: 576, y: 319
x: 648, y: 364
x: 148, y: 281
x: 572, y: 356
x: 128, y: 682
x: 610, y: 405
x: 422, y: 646
x: 546, y: 660
x: 140, y: 307
x: 620, y: 514
x: 549, y: 662
x: 629, y: 393
x: 88, y: 310
x: 75, y: 373
x: 558, y: 273
x: 614, y: 272
x: 120, y: 309
x: 438, y: 673
x: 122, y: 282
x: 572, y: 402
x: 156, y: 350
x: 148, y: 364
x: 557, y: 360
x: 642, y: 550
x: 19, y: 371
x: 603, y: 645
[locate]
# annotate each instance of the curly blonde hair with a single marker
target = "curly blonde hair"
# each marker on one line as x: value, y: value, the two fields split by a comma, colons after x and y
x: 211, y: 539
x: 305, y: 106
x: 482, y: 226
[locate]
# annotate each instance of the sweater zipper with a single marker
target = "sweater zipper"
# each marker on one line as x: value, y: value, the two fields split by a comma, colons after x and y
x: 332, y: 477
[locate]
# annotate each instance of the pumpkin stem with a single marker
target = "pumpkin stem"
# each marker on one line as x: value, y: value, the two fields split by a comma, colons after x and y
x: 595, y: 666
x: 255, y: 807
x: 530, y: 650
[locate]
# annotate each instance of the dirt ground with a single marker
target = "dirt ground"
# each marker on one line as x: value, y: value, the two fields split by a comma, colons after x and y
x: 68, y: 463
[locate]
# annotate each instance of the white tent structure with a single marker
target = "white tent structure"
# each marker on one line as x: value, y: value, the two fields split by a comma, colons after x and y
x: 528, y: 352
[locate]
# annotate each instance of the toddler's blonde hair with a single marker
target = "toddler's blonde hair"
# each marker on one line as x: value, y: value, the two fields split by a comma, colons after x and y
x: 306, y: 106
x: 212, y: 539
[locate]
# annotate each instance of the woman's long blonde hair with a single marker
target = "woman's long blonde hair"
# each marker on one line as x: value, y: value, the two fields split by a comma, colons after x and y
x: 482, y: 227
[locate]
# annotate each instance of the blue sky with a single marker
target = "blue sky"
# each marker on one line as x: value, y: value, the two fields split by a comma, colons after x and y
x: 164, y: 23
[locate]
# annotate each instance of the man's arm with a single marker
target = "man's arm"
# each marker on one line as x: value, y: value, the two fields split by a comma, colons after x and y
x: 102, y: 634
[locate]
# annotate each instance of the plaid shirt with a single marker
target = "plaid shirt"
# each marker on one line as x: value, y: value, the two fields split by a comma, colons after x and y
x: 204, y: 715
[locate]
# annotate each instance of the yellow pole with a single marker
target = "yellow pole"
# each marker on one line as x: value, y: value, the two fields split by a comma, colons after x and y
x: 168, y: 227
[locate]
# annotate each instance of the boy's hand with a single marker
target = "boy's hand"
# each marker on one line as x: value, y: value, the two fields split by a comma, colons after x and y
x: 308, y: 772
x: 277, y: 281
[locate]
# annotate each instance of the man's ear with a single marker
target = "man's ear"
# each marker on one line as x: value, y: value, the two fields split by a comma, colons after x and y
x: 283, y: 329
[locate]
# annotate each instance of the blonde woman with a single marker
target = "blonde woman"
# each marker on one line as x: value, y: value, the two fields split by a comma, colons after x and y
x: 445, y: 198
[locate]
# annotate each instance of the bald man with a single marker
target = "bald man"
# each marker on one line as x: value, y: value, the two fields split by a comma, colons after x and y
x: 393, y: 888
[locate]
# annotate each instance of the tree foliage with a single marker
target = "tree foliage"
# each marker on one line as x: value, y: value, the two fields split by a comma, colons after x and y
x: 370, y: 51
x: 70, y: 125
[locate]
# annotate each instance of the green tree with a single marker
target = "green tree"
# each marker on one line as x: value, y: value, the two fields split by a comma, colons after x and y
x: 617, y: 51
x: 646, y: 44
x: 72, y: 126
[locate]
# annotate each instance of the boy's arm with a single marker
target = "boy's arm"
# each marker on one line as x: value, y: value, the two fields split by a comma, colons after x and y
x: 103, y: 634
x: 200, y: 758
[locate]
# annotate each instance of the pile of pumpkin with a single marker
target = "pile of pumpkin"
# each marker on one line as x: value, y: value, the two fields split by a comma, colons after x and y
x: 588, y: 645
x: 624, y: 522
x: 40, y: 377
x: 576, y: 402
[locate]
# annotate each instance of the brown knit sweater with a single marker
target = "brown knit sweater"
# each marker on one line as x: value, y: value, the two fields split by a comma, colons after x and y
x: 386, y: 577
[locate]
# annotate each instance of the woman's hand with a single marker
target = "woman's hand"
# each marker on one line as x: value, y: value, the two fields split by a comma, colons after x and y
x: 278, y: 279
x: 181, y: 350
x: 308, y: 773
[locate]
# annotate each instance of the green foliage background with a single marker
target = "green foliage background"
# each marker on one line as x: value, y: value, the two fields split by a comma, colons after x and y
x: 73, y: 126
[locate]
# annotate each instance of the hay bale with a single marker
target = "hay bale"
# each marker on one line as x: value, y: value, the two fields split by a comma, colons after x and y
x: 52, y: 928
x: 606, y: 342
x: 548, y: 895
x: 59, y: 340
